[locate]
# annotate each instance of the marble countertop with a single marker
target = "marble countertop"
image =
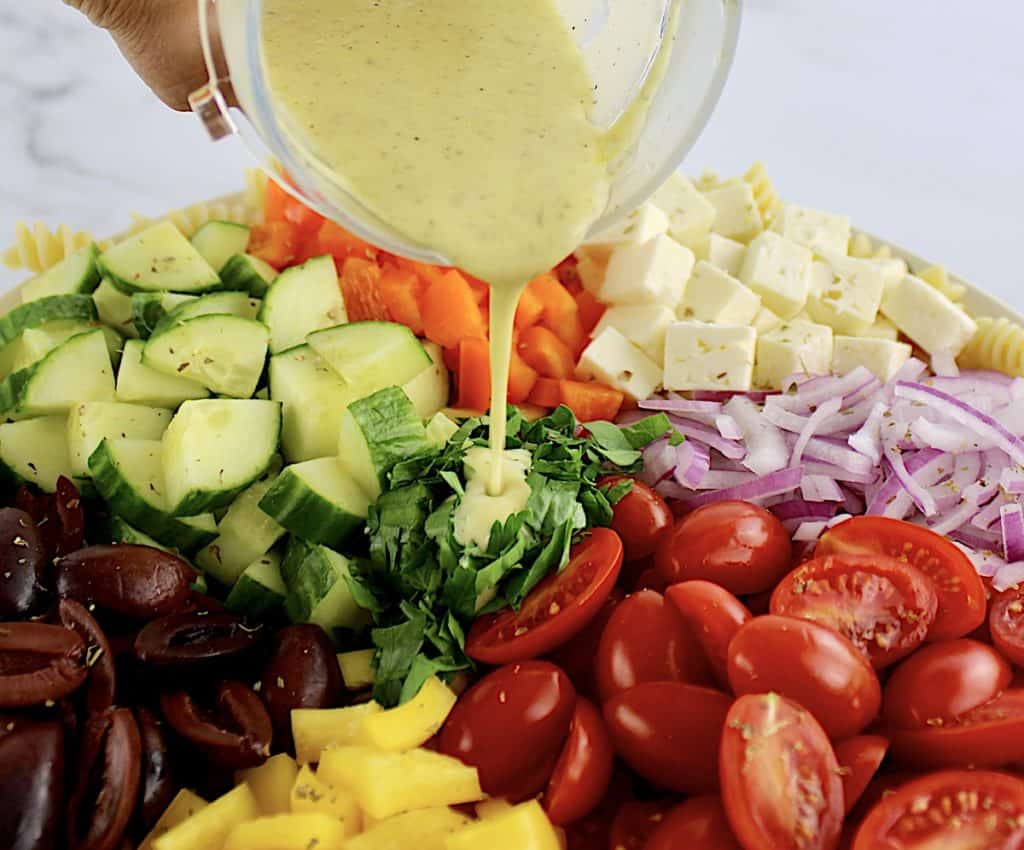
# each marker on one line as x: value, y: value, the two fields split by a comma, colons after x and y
x: 906, y: 115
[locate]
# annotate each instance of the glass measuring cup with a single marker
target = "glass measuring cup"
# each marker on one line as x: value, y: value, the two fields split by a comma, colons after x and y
x: 620, y: 41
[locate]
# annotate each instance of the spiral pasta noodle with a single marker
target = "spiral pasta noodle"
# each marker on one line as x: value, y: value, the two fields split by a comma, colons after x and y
x: 863, y: 248
x: 768, y: 201
x: 938, y: 277
x: 38, y: 248
x: 189, y: 219
x: 998, y: 344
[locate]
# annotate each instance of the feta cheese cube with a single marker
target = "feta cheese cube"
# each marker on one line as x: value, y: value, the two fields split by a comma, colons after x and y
x: 591, y: 270
x: 765, y: 320
x: 615, y: 361
x: 727, y: 254
x: 690, y: 214
x: 702, y: 356
x: 882, y: 328
x: 882, y: 357
x: 641, y: 225
x: 779, y: 271
x: 928, y: 317
x: 792, y: 347
x: 893, y: 271
x: 714, y: 296
x: 737, y: 215
x: 812, y: 228
x: 849, y: 300
x: 643, y: 325
x: 654, y: 272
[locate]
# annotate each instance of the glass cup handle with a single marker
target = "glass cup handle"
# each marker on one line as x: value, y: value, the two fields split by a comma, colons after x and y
x: 210, y: 106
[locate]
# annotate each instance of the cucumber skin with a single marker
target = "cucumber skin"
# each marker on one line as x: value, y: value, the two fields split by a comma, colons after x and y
x: 119, y: 496
x: 252, y: 599
x: 238, y: 273
x: 49, y: 309
x: 307, y: 514
x: 388, y: 416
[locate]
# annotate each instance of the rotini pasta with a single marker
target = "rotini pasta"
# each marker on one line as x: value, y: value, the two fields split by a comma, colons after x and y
x: 997, y: 344
x: 863, y: 248
x: 37, y: 248
x: 255, y: 193
x: 938, y: 277
x: 189, y: 219
x: 708, y: 180
x: 768, y: 201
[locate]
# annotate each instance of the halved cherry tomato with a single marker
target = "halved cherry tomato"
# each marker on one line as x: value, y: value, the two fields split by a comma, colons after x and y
x: 780, y: 778
x: 991, y: 735
x: 961, y: 595
x: 882, y: 606
x: 576, y: 656
x: 859, y: 759
x: 635, y: 822
x: 951, y: 809
x: 713, y: 616
x: 1006, y: 623
x: 556, y: 610
x: 669, y: 733
x: 649, y: 579
x: 698, y: 823
x: 809, y: 664
x: 641, y: 517
x: 943, y: 681
x: 584, y: 768
x: 646, y: 640
x: 740, y: 546
x: 511, y: 726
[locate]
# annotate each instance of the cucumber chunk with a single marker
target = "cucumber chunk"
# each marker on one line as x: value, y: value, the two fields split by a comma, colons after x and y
x: 76, y: 370
x: 223, y: 353
x: 248, y: 273
x: 430, y: 389
x: 50, y: 309
x: 215, y: 304
x: 440, y: 429
x: 129, y: 476
x: 35, y: 451
x: 313, y: 399
x: 139, y: 384
x: 159, y: 259
x: 376, y: 433
x: 219, y: 241
x: 371, y: 355
x: 244, y: 534
x: 77, y: 273
x: 91, y: 422
x: 150, y: 308
x: 36, y: 343
x: 215, y: 448
x: 318, y: 501
x: 260, y: 591
x: 115, y: 309
x: 302, y: 300
x: 318, y: 592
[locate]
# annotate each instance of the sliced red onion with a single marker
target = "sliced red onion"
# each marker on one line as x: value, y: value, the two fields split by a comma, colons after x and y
x: 987, y: 563
x: 681, y: 406
x: 660, y: 460
x: 982, y: 541
x: 1011, y: 415
x: 944, y: 365
x: 866, y: 392
x: 839, y: 519
x: 912, y: 370
x: 947, y: 438
x: 669, y: 489
x: 1009, y: 575
x: 1011, y: 527
x: 807, y: 532
x: 816, y: 466
x: 830, y: 451
x: 692, y: 462
x: 853, y: 503
x: 709, y: 436
x: 813, y: 393
x: 828, y: 408
x: 820, y: 488
x: 728, y: 427
x: 921, y: 497
x: 766, y: 449
x: 892, y: 500
x: 728, y: 395
x: 954, y: 518
x: 868, y: 439
x: 987, y: 516
x: 802, y: 510
x: 1012, y: 480
x: 716, y: 479
x: 773, y: 484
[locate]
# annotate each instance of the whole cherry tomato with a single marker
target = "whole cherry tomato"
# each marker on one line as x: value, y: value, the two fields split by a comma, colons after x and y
x: 635, y: 822
x: 1006, y: 623
x: 593, y: 832
x: 646, y: 640
x: 700, y: 822
x: 943, y: 681
x: 990, y: 735
x: 713, y: 616
x: 780, y: 778
x: 809, y: 664
x: 961, y: 595
x: 882, y: 606
x: 859, y: 759
x: 669, y: 732
x: 740, y: 546
x: 511, y: 726
x: 641, y: 517
x: 556, y: 610
x: 576, y: 657
x: 951, y: 809
x: 584, y: 768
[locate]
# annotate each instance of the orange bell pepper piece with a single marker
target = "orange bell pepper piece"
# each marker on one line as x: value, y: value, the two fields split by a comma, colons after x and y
x: 401, y: 290
x: 340, y: 244
x: 558, y: 301
x: 569, y: 328
x: 529, y: 310
x: 590, y: 401
x: 451, y: 358
x: 360, y: 287
x: 521, y: 379
x: 568, y: 275
x: 275, y: 201
x: 275, y: 242
x: 545, y: 352
x: 591, y: 310
x: 546, y: 393
x: 450, y: 311
x: 474, y: 376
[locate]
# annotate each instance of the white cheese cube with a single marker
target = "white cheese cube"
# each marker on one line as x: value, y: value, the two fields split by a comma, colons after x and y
x: 643, y: 325
x: 614, y: 360
x: 737, y: 215
x: 641, y: 225
x: 591, y: 270
x: 882, y: 328
x: 893, y: 271
x: 727, y: 254
x: 779, y: 271
x: 702, y: 356
x: 848, y: 301
x: 882, y: 357
x: 655, y: 272
x: 714, y: 296
x: 928, y: 317
x: 812, y: 228
x: 792, y: 347
x: 690, y: 214
x: 765, y: 320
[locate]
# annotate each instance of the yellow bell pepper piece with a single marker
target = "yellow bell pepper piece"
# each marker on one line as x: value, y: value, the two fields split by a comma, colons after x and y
x: 312, y: 794
x: 316, y: 729
x: 413, y: 723
x: 271, y: 783
x: 425, y: 829
x: 357, y: 668
x: 523, y: 827
x: 209, y: 827
x: 492, y: 808
x: 288, y: 832
x: 183, y: 806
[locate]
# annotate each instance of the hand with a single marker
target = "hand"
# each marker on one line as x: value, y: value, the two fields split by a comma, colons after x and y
x: 159, y: 38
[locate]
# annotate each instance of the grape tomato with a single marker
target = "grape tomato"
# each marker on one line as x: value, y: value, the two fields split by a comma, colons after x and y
x: 641, y: 518
x: 584, y: 768
x: 713, y: 616
x: 700, y: 822
x: 859, y: 759
x: 1006, y: 623
x: 635, y: 822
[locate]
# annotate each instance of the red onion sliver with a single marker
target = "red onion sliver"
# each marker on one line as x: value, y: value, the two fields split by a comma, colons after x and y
x: 1011, y: 527
x: 728, y: 427
x: 814, y: 421
x: 944, y: 365
x: 809, y: 531
x: 659, y: 462
x: 868, y: 440
x: 803, y: 510
x: 820, y: 488
x: 773, y: 484
x: 709, y: 436
x: 1012, y: 480
x: 692, y: 462
x: 682, y: 406
x: 1008, y: 576
x: 766, y: 448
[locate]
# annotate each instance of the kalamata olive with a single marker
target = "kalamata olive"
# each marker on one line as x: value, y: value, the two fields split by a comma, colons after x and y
x: 39, y: 663
x: 59, y: 517
x: 302, y: 672
x: 136, y: 582
x: 107, y: 784
x: 189, y: 640
x: 99, y: 658
x: 22, y: 563
x: 235, y: 734
x: 31, y: 786
x: 158, y: 776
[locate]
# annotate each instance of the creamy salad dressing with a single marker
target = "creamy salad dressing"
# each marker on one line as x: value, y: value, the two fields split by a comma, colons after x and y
x: 482, y: 506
